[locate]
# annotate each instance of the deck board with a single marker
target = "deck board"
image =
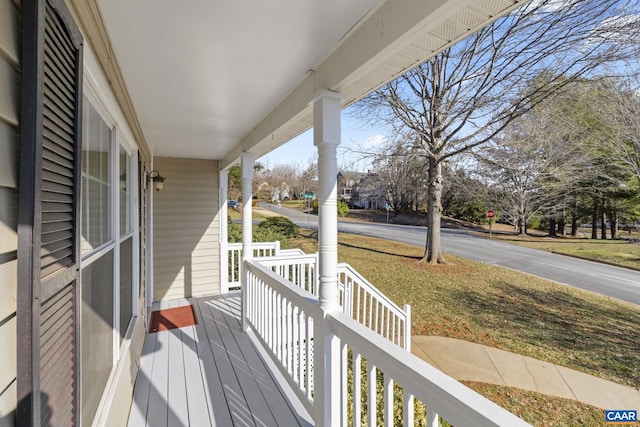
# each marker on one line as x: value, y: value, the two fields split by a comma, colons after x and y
x: 256, y: 404
x: 143, y: 384
x: 209, y: 374
x: 199, y: 409
x: 177, y: 384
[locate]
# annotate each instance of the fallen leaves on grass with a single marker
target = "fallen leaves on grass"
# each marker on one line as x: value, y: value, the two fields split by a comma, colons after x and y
x: 505, y: 309
x: 538, y: 409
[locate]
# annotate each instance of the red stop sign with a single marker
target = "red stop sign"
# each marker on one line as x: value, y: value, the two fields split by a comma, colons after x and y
x: 490, y: 213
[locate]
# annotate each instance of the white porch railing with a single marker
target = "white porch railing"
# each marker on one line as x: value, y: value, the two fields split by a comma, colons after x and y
x: 289, y: 323
x: 358, y: 298
x: 260, y: 249
x: 367, y: 305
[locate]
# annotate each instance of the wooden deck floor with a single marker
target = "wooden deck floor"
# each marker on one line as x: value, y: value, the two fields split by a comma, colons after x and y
x: 209, y: 374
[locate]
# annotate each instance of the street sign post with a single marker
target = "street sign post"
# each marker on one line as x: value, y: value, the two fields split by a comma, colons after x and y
x: 490, y: 214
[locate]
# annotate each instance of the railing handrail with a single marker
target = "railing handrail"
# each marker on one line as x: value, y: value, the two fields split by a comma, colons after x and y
x: 293, y: 251
x: 452, y: 400
x: 273, y: 261
x: 285, y: 287
x: 358, y: 297
x: 276, y: 260
x: 372, y: 289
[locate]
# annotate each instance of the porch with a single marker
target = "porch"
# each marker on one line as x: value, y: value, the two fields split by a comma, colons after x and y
x: 252, y: 359
x: 209, y: 374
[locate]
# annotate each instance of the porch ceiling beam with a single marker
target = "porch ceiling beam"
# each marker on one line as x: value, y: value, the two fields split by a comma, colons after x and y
x: 386, y: 31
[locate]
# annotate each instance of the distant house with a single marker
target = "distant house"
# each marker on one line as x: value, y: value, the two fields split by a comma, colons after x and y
x: 265, y: 191
x: 274, y: 193
x: 369, y: 192
x: 346, y: 183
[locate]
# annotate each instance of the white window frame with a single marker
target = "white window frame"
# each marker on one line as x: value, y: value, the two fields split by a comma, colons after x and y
x: 109, y: 111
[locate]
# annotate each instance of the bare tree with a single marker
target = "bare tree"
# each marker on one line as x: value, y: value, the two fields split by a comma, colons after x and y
x: 309, y: 178
x: 467, y: 94
x: 533, y: 167
x: 398, y: 171
x: 619, y: 107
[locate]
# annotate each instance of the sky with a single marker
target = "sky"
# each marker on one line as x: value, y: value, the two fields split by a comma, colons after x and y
x: 356, y: 137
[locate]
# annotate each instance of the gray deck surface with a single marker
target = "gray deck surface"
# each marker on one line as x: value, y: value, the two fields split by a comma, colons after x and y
x: 208, y: 375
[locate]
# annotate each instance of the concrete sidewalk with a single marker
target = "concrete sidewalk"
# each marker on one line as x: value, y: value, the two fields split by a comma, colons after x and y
x: 463, y: 360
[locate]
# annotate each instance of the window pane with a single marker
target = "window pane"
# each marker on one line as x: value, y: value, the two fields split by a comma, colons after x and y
x: 97, y: 332
x: 96, y: 164
x: 126, y: 285
x: 125, y: 192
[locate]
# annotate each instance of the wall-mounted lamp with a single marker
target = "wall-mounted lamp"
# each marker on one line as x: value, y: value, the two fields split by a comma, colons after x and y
x: 158, y: 180
x: 123, y: 180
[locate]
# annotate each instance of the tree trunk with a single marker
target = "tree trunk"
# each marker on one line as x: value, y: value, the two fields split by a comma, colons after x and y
x: 594, y: 219
x: 561, y: 226
x: 613, y: 217
x: 521, y: 227
x: 552, y: 227
x: 574, y: 217
x: 433, y: 248
x: 522, y: 220
x: 603, y: 223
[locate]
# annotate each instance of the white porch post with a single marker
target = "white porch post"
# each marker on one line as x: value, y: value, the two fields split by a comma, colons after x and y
x: 247, y: 250
x: 224, y: 232
x: 326, y: 136
x: 247, y: 179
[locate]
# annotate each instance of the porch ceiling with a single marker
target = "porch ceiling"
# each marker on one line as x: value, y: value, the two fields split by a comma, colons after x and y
x: 210, y: 79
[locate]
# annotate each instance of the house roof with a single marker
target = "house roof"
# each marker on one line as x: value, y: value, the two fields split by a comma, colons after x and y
x: 211, y: 79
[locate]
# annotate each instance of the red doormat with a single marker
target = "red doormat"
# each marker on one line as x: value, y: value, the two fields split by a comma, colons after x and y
x: 171, y: 318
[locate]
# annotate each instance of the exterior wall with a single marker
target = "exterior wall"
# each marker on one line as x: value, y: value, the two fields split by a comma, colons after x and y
x: 9, y: 140
x: 186, y: 247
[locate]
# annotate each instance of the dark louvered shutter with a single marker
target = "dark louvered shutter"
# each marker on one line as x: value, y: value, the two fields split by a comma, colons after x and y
x: 49, y: 205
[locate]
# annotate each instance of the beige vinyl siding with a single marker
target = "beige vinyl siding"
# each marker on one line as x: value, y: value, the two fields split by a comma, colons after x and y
x: 9, y: 147
x: 186, y: 229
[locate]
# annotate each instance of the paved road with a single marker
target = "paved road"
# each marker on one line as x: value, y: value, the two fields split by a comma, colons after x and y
x: 607, y: 280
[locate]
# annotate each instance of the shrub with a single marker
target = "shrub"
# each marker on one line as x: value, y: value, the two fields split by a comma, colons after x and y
x: 279, y: 225
x: 234, y: 232
x: 264, y: 233
x: 466, y: 210
x: 271, y: 235
x: 343, y: 209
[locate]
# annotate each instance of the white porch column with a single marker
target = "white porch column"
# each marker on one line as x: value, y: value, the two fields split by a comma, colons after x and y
x: 246, y: 165
x: 247, y: 179
x: 224, y: 232
x: 326, y: 136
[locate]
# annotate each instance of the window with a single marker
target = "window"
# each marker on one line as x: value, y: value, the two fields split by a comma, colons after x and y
x: 125, y: 191
x: 126, y: 240
x: 96, y: 164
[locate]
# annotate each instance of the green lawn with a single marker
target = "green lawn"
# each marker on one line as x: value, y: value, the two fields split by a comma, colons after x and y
x: 541, y: 410
x: 501, y: 308
x: 504, y: 309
